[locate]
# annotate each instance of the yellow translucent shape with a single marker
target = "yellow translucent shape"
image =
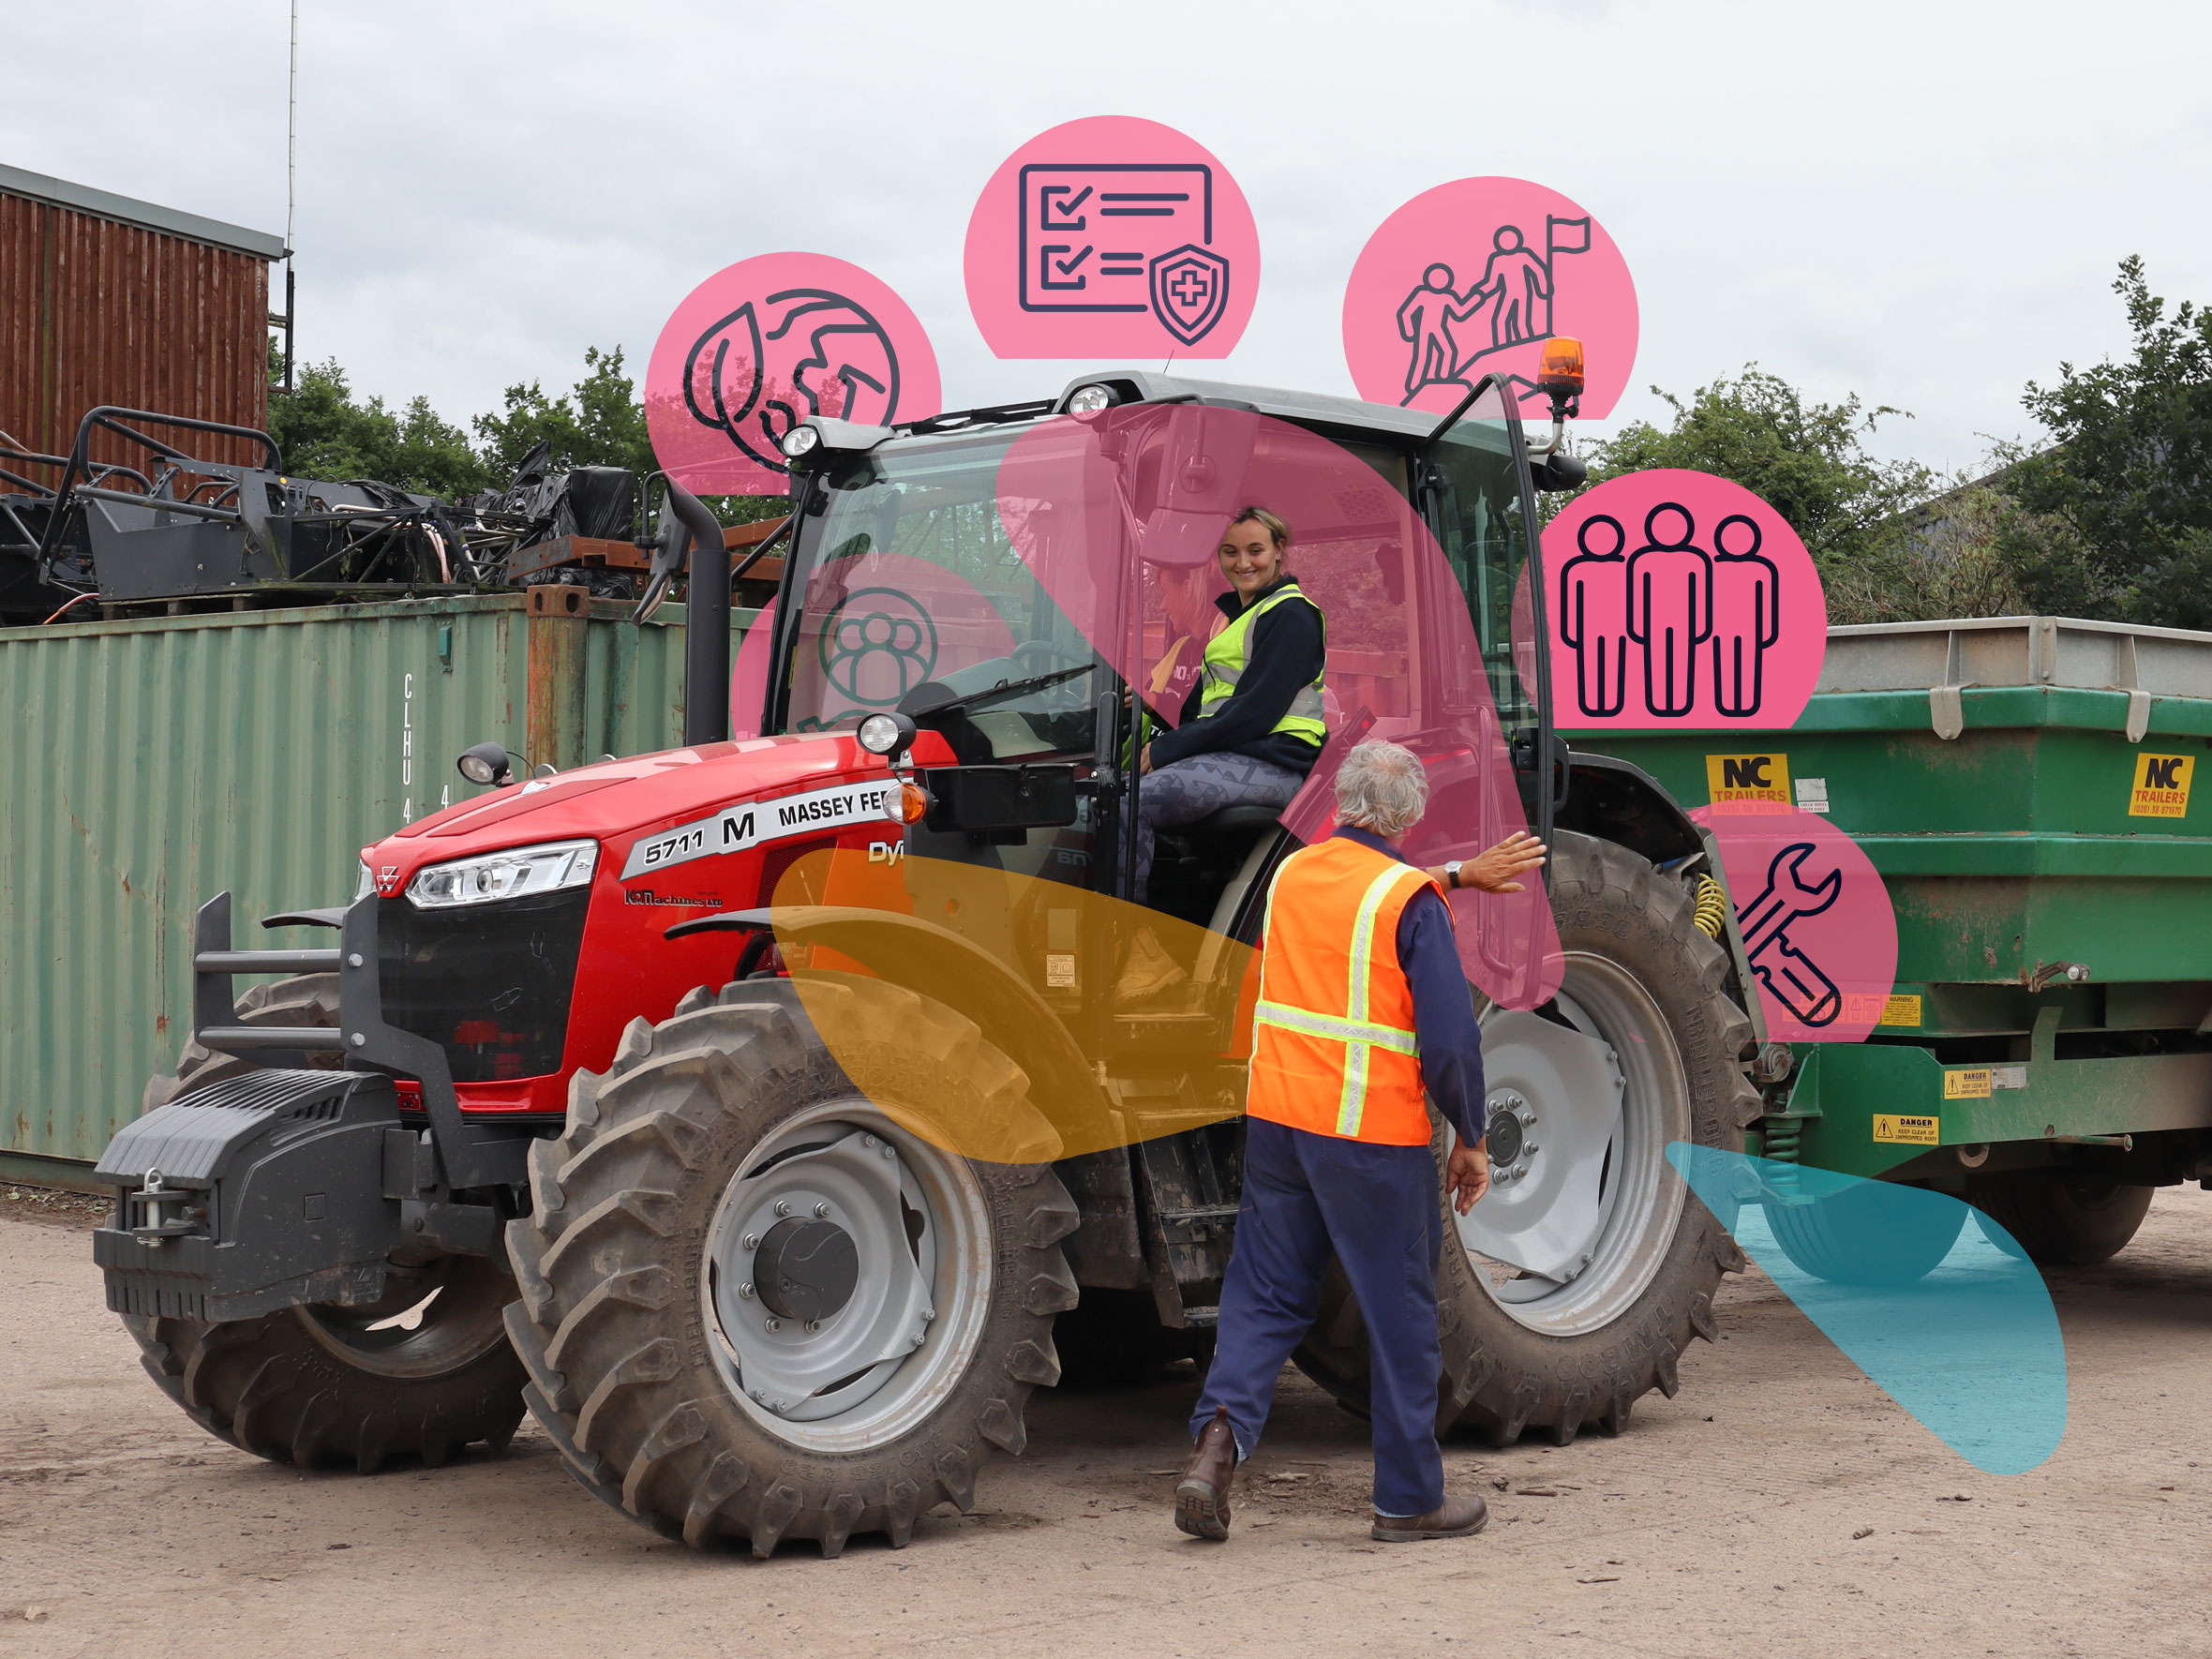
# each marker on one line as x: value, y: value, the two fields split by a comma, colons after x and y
x: 977, y: 1006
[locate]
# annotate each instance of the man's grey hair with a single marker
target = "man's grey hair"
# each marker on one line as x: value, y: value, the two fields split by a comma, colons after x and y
x: 1382, y: 788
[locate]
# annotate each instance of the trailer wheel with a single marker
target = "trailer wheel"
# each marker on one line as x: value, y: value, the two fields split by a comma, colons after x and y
x: 418, y: 1375
x: 757, y: 1306
x: 1643, y: 1046
x: 2060, y: 1219
x: 1857, y: 1236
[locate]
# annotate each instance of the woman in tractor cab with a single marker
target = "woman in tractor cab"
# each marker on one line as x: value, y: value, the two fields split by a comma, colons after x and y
x: 1250, y: 729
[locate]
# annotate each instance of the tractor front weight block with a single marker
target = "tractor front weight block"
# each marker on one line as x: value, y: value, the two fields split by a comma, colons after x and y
x: 260, y: 1192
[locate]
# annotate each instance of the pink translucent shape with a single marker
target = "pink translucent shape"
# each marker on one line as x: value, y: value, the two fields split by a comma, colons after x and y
x: 1815, y: 918
x: 1154, y: 486
x: 1677, y: 599
x: 1471, y: 278
x: 758, y: 346
x: 876, y: 625
x: 1112, y: 237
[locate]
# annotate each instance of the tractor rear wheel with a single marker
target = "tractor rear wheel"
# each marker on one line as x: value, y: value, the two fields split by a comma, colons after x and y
x: 754, y: 1304
x: 2060, y: 1219
x: 418, y: 1375
x: 1588, y: 1268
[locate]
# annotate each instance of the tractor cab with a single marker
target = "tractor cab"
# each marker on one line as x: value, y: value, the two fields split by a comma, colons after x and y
x: 1031, y: 585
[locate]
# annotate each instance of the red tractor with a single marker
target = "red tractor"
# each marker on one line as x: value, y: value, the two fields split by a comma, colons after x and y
x: 760, y: 1114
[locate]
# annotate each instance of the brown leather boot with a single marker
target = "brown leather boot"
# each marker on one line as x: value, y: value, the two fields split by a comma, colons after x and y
x: 1455, y: 1517
x: 1202, y: 1498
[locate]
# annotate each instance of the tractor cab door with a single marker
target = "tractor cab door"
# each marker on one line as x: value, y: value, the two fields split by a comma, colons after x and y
x: 1472, y: 485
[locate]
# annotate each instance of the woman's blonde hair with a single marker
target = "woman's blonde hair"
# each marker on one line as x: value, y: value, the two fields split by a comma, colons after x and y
x: 1275, y: 527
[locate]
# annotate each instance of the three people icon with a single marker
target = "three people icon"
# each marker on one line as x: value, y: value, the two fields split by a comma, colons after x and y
x: 1671, y: 599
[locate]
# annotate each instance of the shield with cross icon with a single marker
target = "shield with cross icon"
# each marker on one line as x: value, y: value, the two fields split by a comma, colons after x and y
x: 1189, y: 291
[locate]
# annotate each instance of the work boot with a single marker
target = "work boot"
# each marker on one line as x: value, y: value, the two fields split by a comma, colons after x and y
x: 1202, y: 1496
x: 1455, y: 1517
x: 1149, y: 971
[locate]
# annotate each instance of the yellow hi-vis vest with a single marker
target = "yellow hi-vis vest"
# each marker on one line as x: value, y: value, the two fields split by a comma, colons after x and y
x: 1332, y: 1045
x: 1226, y: 657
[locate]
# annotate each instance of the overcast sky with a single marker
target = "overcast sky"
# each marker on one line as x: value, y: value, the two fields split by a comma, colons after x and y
x: 1921, y: 202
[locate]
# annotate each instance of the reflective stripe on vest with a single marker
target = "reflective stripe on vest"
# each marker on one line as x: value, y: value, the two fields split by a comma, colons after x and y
x: 1364, y: 1081
x: 1226, y: 659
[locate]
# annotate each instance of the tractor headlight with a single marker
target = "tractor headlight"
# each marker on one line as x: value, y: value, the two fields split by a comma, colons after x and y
x: 799, y: 440
x: 516, y: 873
x: 1090, y: 400
x: 365, y: 885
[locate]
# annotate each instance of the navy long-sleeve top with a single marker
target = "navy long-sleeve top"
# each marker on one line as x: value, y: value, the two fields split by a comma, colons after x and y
x: 1443, y: 1007
x: 1284, y: 656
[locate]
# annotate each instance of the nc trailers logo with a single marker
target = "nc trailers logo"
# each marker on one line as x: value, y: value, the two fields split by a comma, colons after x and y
x: 755, y: 824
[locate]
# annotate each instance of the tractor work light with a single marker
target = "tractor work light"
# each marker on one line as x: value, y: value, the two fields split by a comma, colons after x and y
x: 515, y: 873
x: 888, y: 735
x: 800, y: 441
x: 486, y: 763
x: 1090, y: 400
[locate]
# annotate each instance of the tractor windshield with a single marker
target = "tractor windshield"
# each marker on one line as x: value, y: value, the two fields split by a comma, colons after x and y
x: 911, y: 586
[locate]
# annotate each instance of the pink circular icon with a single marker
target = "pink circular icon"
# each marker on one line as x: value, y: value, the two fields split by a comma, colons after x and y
x: 1679, y: 599
x: 758, y: 346
x: 1469, y: 279
x: 1112, y: 237
x: 1815, y: 918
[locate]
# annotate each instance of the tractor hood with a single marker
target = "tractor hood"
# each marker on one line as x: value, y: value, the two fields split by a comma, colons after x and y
x: 625, y: 805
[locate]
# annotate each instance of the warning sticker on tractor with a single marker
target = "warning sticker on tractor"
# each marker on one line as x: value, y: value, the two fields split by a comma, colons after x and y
x: 1910, y: 1131
x: 1971, y: 1083
x: 1900, y: 1011
x: 751, y: 823
x: 1747, y: 777
x: 2161, y: 787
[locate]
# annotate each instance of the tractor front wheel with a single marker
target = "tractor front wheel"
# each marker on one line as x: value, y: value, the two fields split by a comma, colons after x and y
x: 758, y: 1304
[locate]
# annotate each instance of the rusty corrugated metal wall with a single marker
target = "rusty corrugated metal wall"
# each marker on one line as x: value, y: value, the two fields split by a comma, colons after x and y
x: 94, y: 312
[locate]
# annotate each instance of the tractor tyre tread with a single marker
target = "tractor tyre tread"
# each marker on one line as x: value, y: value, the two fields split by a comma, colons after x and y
x: 626, y: 1386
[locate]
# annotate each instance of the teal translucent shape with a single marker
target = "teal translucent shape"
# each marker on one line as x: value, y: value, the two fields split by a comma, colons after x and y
x: 1933, y: 1300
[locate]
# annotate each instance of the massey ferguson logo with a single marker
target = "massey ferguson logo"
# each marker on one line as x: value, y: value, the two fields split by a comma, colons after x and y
x: 388, y: 878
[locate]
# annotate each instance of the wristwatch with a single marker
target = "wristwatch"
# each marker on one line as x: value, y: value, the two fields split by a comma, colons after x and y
x: 1452, y: 873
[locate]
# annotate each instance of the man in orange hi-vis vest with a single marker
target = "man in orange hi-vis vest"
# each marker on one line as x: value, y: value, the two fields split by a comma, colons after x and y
x: 1364, y: 1014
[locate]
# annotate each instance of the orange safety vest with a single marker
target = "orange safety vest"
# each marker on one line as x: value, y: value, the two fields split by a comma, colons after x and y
x: 1333, y: 1044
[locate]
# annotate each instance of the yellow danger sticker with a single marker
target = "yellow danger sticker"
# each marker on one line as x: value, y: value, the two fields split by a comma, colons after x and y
x: 1970, y: 1084
x: 1900, y: 1011
x: 1910, y: 1131
x: 2161, y: 787
x: 1747, y: 777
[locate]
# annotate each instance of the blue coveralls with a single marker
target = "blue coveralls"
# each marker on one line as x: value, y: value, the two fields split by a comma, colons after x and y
x: 1375, y: 1208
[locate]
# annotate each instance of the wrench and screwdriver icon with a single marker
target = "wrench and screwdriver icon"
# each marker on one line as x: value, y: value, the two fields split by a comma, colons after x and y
x: 1790, y: 976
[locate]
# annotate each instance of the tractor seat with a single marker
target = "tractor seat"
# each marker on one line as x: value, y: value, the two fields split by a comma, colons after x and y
x: 1233, y: 824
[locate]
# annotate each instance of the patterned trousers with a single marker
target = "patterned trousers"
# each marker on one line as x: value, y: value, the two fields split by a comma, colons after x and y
x: 1197, y: 788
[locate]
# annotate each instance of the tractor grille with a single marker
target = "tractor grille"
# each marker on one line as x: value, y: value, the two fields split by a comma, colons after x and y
x: 489, y: 983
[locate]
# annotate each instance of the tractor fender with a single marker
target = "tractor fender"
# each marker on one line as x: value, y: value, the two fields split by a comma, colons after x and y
x: 935, y: 962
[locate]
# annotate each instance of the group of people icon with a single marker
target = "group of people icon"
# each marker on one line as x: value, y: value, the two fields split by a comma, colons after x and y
x: 1671, y: 600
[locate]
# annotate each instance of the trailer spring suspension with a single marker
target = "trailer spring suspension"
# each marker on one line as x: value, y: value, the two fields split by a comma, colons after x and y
x: 1711, y: 914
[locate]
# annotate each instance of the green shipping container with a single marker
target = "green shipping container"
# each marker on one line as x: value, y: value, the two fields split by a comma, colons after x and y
x: 147, y: 765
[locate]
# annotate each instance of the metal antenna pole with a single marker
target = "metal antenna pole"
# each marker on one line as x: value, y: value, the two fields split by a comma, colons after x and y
x: 291, y: 174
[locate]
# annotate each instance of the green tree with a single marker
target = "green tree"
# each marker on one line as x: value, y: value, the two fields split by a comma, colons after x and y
x: 322, y: 432
x: 2123, y: 500
x: 1807, y: 460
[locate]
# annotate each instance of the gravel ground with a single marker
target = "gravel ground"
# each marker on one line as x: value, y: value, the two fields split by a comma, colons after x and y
x: 1779, y: 1505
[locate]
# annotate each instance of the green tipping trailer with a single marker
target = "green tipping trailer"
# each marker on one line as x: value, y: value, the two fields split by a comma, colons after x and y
x: 2024, y: 785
